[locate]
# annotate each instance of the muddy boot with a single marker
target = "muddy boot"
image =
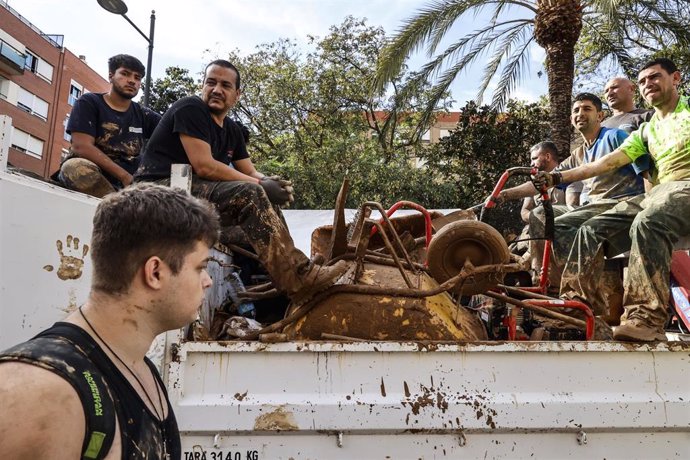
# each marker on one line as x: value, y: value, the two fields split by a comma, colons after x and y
x: 316, y: 279
x: 635, y: 331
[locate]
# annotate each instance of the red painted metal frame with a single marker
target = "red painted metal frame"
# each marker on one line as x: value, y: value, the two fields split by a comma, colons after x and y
x: 410, y: 205
x: 509, y: 321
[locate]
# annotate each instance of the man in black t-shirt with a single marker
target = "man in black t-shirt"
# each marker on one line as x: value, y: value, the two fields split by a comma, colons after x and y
x: 197, y: 131
x: 108, y: 132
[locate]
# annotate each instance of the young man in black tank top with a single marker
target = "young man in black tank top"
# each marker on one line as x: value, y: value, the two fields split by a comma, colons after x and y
x: 150, y: 246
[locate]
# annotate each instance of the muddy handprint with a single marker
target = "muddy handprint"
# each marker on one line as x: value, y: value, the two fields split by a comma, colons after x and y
x: 71, y: 261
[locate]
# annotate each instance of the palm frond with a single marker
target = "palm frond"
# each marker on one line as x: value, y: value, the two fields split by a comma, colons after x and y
x: 516, y: 36
x: 512, y: 72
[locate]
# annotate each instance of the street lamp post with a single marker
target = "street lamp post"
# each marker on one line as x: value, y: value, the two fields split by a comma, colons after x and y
x: 119, y: 7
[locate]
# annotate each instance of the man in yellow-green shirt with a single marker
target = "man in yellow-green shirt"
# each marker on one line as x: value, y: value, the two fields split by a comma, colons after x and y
x: 648, y: 224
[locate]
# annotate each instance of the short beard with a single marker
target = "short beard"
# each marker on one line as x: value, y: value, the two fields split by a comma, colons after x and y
x: 122, y: 94
x: 217, y: 111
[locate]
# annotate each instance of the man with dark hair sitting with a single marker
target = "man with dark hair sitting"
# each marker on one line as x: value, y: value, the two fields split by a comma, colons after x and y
x: 603, y: 192
x: 108, y: 132
x: 198, y: 132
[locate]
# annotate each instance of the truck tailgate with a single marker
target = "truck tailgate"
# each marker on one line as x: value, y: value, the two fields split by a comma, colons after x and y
x: 332, y: 400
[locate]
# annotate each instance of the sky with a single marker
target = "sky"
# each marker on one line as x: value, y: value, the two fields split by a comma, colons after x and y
x: 184, y: 30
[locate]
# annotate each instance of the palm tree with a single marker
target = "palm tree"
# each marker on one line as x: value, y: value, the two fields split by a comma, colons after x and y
x: 616, y: 29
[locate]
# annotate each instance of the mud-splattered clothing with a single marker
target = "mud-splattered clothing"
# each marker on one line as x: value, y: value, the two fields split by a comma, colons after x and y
x: 667, y: 140
x: 238, y: 203
x: 119, y: 135
x: 618, y: 184
x: 65, y: 349
x: 648, y: 225
x: 624, y: 183
x: 629, y: 121
x: 190, y: 116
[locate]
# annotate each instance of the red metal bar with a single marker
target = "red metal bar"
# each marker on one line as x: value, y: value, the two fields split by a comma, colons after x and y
x: 511, y: 323
x: 545, y: 264
x: 491, y: 202
x: 412, y: 205
x: 556, y: 303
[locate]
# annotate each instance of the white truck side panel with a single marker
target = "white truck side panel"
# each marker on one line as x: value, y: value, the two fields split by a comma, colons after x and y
x: 407, y: 400
x: 34, y: 217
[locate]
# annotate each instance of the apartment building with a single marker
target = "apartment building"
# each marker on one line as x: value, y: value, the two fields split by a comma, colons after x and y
x: 39, y: 81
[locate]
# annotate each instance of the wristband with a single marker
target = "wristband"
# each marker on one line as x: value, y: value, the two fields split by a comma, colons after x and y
x: 557, y: 177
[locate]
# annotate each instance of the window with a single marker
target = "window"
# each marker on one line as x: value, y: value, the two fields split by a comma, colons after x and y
x: 75, y: 91
x: 4, y: 87
x: 33, y: 104
x: 26, y: 143
x: 443, y: 133
x: 31, y: 62
x: 38, y: 66
x: 66, y: 136
x: 426, y: 137
x: 44, y: 70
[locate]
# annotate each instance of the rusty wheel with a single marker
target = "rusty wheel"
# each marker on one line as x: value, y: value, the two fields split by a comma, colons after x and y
x: 473, y: 240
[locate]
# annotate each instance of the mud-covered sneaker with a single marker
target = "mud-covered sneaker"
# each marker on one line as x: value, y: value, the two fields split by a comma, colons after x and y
x: 633, y: 331
x: 317, y: 279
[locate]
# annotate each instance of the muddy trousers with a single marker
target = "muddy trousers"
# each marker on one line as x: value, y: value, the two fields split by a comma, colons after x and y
x: 246, y: 205
x: 567, y: 222
x: 648, y: 225
x: 84, y: 176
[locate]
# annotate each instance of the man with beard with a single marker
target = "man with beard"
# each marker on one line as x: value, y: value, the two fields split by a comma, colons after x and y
x: 196, y: 131
x: 647, y: 225
x: 108, y: 132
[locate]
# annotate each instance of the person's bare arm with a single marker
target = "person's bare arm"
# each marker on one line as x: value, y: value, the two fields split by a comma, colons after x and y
x: 207, y: 167
x: 246, y: 166
x: 518, y: 192
x: 84, y: 145
x: 607, y: 163
x: 527, y: 206
x: 41, y: 417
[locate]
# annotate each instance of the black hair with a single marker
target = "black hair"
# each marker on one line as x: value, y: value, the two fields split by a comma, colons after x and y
x: 227, y: 65
x: 665, y: 63
x: 594, y: 99
x: 126, y: 61
x: 548, y: 146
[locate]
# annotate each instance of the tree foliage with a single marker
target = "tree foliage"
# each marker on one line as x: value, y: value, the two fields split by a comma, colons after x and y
x: 485, y: 143
x: 176, y: 84
x: 314, y: 120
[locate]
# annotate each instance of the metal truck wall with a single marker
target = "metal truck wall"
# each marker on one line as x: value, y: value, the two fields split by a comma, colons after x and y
x: 45, y: 269
x: 399, y: 401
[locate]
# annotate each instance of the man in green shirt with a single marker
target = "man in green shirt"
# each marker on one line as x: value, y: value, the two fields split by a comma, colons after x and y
x: 648, y: 224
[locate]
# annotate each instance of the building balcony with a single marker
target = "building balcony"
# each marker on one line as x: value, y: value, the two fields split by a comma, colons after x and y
x: 11, y: 59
